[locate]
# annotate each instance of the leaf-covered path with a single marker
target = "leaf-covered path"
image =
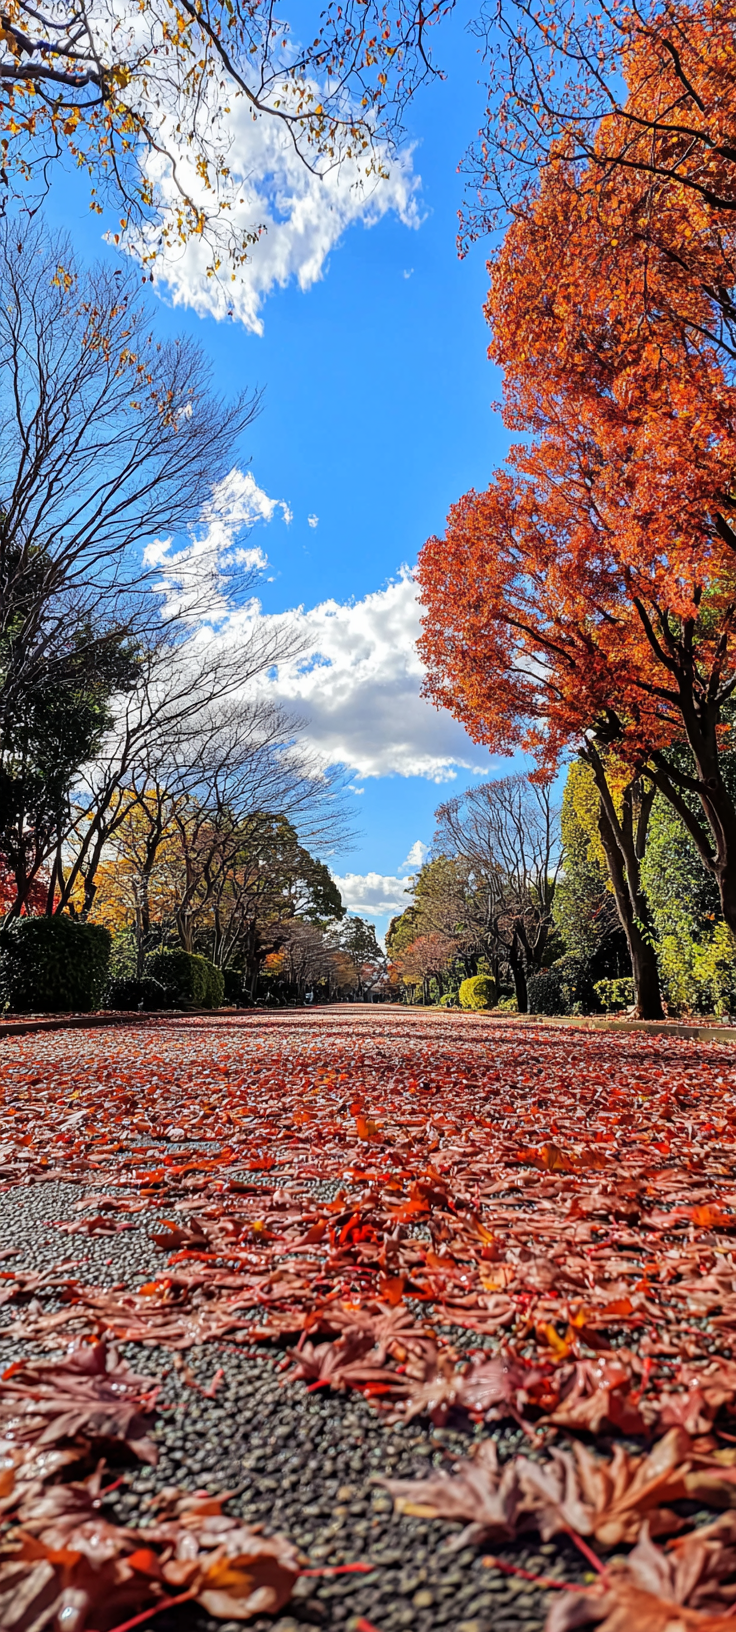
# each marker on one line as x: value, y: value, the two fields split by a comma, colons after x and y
x: 392, y: 1233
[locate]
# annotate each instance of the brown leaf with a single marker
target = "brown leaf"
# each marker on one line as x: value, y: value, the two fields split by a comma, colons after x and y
x: 89, y: 1392
x: 690, y: 1588
x: 67, y: 1561
x: 610, y: 1500
x: 246, y: 1574
x: 599, y: 1394
x: 479, y: 1491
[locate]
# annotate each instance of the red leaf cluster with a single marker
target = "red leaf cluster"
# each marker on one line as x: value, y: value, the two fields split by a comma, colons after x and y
x: 568, y: 1194
x: 357, y: 1185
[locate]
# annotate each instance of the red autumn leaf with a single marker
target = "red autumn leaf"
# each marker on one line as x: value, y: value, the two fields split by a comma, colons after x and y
x: 89, y: 1393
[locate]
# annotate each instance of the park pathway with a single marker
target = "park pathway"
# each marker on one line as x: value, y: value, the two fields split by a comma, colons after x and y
x: 320, y: 1230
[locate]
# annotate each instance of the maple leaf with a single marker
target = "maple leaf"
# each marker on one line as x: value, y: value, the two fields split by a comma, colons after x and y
x: 65, y: 1561
x: 344, y: 1363
x: 690, y: 1588
x: 613, y: 1500
x: 479, y: 1491
x: 172, y: 1236
x: 24, y: 1469
x: 577, y: 1491
x: 598, y: 1392
x: 89, y: 1392
x: 229, y: 1569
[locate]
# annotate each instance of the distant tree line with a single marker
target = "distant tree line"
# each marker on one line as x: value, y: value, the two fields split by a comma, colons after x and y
x: 146, y: 781
x: 518, y: 887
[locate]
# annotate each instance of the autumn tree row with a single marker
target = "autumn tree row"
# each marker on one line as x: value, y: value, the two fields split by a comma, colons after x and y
x: 585, y: 603
x: 146, y: 779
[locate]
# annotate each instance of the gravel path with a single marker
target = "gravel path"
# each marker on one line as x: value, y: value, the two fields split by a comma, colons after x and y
x: 304, y: 1463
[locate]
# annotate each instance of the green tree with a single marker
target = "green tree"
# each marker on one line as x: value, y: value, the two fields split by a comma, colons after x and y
x: 695, y: 948
x: 584, y: 907
x: 57, y: 722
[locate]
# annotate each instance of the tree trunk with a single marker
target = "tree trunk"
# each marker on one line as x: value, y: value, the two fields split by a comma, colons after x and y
x: 185, y: 930
x: 519, y: 976
x: 631, y: 906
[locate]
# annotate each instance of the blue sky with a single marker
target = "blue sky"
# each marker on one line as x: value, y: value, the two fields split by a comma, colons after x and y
x: 377, y: 415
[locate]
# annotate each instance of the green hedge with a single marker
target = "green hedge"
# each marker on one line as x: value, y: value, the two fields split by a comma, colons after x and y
x: 53, y: 965
x: 564, y: 988
x: 216, y: 986
x: 479, y: 992
x: 130, y: 992
x: 189, y: 980
x: 615, y: 994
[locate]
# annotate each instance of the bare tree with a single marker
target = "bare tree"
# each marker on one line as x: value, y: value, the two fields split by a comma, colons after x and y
x: 507, y: 833
x: 250, y: 766
x: 305, y: 958
x: 197, y: 801
x: 108, y: 440
x: 157, y: 736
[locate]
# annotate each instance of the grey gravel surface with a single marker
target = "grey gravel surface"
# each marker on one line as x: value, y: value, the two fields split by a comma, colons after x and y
x: 306, y: 1465
x: 303, y: 1463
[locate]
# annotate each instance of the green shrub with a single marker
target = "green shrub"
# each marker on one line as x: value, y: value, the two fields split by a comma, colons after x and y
x: 699, y: 976
x: 189, y: 980
x: 234, y: 988
x: 131, y: 992
x: 479, y: 992
x: 215, y: 986
x: 123, y: 955
x: 615, y: 994
x: 53, y: 965
x: 449, y: 1001
x: 564, y: 988
x: 508, y: 1005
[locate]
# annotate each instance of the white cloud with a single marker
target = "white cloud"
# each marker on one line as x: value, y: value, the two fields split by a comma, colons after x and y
x: 313, y: 521
x: 415, y: 858
x: 372, y: 893
x: 301, y: 216
x: 197, y: 578
x: 359, y: 690
x: 356, y: 683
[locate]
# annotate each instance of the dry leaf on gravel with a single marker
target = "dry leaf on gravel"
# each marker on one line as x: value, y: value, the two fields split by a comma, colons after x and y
x: 90, y: 1392
x: 66, y: 1565
x: 610, y: 1500
x: 24, y: 1469
x: 232, y: 1571
x: 479, y: 1491
x: 599, y: 1396
x: 689, y: 1588
x: 539, y: 1196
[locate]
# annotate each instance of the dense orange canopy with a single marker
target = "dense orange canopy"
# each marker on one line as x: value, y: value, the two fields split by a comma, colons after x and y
x: 596, y: 578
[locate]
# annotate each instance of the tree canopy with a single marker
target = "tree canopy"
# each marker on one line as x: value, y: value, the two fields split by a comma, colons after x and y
x: 140, y: 97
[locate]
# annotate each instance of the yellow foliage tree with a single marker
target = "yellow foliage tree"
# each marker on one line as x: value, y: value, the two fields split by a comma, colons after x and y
x: 140, y: 95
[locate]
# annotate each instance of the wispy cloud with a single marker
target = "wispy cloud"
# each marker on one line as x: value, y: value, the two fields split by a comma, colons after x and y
x: 197, y: 579
x: 300, y: 216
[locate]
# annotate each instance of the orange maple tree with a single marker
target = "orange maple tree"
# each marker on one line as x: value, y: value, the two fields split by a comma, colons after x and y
x: 587, y: 599
x: 641, y: 94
